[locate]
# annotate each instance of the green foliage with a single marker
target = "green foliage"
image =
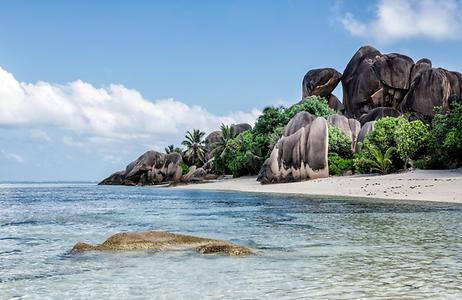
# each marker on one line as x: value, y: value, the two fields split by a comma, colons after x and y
x: 445, y: 141
x: 223, y: 150
x: 381, y: 162
x: 315, y: 105
x: 421, y: 164
x: 410, y: 138
x: 195, y: 147
x: 339, y: 165
x: 184, y: 168
x: 339, y: 143
x: 172, y: 149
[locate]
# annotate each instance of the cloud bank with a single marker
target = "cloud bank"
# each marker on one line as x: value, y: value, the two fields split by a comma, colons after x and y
x: 100, y: 114
x: 403, y: 19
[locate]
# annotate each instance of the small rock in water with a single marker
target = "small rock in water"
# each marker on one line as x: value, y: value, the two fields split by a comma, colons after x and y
x: 163, y: 241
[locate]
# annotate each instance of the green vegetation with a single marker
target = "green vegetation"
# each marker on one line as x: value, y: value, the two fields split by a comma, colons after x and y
x: 407, y: 139
x: 395, y: 143
x: 184, y: 168
x: 339, y: 143
x: 339, y: 165
x: 195, y: 147
x: 445, y: 140
x: 172, y: 149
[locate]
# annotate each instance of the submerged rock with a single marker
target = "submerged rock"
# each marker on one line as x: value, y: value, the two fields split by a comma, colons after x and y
x: 162, y: 241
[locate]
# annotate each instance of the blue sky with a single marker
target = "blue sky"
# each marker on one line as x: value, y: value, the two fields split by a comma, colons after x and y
x: 87, y: 86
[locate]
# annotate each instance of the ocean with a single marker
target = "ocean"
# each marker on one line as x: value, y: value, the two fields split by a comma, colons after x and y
x: 305, y: 248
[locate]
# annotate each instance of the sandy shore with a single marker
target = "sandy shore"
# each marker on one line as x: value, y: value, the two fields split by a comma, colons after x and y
x: 423, y: 185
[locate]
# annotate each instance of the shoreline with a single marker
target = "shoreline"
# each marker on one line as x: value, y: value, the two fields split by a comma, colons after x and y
x: 417, y: 185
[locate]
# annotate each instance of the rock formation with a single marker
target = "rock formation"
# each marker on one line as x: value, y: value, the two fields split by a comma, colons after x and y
x: 365, y: 129
x: 350, y: 127
x: 300, y: 155
x: 150, y: 168
x: 163, y: 241
x: 378, y: 113
x: 322, y: 82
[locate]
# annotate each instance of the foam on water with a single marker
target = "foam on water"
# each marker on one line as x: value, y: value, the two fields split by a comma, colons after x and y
x: 306, y: 248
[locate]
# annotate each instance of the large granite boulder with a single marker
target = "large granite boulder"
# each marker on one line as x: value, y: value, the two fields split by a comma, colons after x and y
x: 365, y: 129
x: 163, y: 241
x: 378, y: 113
x: 149, y: 169
x: 321, y: 82
x: 430, y: 88
x: 350, y: 127
x: 372, y: 79
x: 299, y: 154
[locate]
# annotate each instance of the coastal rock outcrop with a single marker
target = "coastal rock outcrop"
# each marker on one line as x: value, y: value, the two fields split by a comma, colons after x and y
x: 163, y: 241
x: 299, y: 155
x: 322, y: 82
x: 429, y: 89
x: 372, y: 79
x: 149, y: 169
x: 365, y: 129
x: 378, y: 113
x: 350, y: 127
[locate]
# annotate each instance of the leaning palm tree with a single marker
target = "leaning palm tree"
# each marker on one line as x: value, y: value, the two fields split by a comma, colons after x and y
x: 195, y: 146
x: 223, y: 145
x: 381, y: 162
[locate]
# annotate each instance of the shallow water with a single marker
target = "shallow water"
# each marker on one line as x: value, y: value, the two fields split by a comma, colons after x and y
x: 322, y: 249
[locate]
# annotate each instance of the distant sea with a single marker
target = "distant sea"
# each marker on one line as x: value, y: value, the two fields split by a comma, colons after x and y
x: 318, y: 249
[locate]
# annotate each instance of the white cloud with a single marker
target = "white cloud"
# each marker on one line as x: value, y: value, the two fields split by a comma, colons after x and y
x: 403, y: 19
x: 101, y: 115
x: 11, y: 156
x: 40, y: 135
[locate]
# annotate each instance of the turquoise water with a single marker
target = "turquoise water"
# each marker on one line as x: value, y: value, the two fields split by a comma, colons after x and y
x: 321, y: 249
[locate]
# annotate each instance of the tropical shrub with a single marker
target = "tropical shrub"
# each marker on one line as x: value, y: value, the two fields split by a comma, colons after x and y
x: 339, y: 165
x: 379, y: 161
x: 315, y: 105
x: 184, y: 168
x: 410, y: 139
x: 445, y: 140
x: 339, y: 143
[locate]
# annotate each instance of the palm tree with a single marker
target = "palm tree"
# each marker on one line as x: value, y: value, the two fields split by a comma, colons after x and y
x: 223, y: 146
x: 195, y: 146
x: 381, y: 162
x: 172, y: 149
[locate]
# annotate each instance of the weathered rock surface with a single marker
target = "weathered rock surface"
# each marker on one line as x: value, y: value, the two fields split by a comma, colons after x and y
x: 372, y: 79
x: 298, y: 155
x: 430, y: 88
x: 320, y: 82
x: 350, y: 127
x: 149, y: 169
x: 365, y: 129
x: 163, y: 241
x: 378, y: 113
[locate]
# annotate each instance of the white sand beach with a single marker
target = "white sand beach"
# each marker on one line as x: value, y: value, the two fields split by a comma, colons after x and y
x: 422, y: 185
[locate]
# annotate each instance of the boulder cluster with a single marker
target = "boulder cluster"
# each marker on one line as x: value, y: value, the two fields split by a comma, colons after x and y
x: 374, y: 85
x: 377, y: 85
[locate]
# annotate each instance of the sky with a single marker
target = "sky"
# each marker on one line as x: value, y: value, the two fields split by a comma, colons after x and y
x: 88, y: 86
